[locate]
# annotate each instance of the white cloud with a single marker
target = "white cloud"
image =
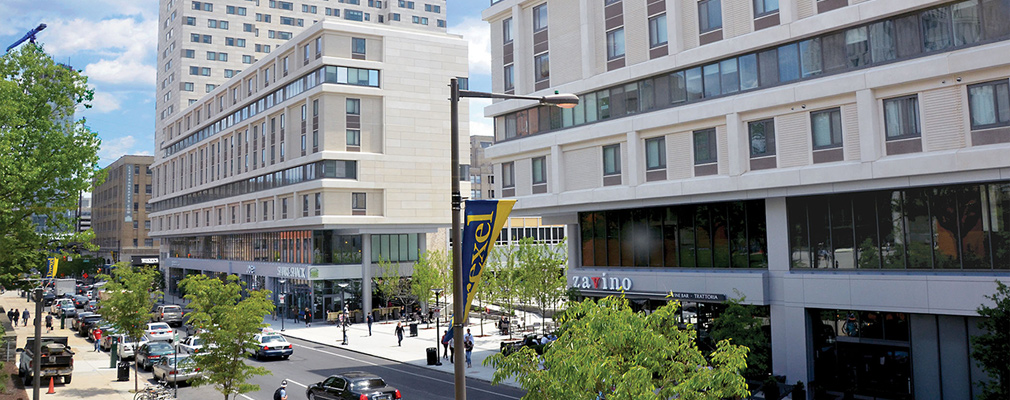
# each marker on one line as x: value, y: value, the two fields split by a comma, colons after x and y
x: 112, y: 149
x: 125, y: 48
x: 478, y: 34
x: 121, y: 70
x: 105, y: 102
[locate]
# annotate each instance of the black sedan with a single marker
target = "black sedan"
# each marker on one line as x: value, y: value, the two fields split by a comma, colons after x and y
x: 354, y: 385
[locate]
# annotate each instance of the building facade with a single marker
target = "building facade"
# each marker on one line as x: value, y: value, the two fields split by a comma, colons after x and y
x: 839, y: 163
x: 481, y: 170
x: 203, y: 44
x: 303, y: 171
x: 119, y: 210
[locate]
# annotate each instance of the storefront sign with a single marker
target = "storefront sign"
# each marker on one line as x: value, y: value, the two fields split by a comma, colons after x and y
x: 149, y: 260
x: 291, y: 272
x: 603, y: 282
x: 698, y: 296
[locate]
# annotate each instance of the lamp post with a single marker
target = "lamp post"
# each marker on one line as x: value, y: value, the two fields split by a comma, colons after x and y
x: 343, y: 306
x: 438, y: 360
x: 458, y: 292
x: 283, y: 300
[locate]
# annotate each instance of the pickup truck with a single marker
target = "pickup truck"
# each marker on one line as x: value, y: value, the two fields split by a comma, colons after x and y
x: 57, y: 360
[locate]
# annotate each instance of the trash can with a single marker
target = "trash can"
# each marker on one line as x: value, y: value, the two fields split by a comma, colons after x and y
x: 413, y: 329
x: 432, y: 356
x: 123, y: 371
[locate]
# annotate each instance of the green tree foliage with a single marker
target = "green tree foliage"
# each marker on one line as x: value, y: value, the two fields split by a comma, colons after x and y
x: 391, y: 284
x: 606, y: 348
x: 739, y: 324
x: 430, y: 271
x: 505, y: 281
x: 230, y: 321
x: 130, y: 300
x: 992, y: 349
x: 542, y: 273
x: 47, y: 159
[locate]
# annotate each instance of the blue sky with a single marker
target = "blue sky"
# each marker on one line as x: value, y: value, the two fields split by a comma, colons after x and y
x: 115, y: 43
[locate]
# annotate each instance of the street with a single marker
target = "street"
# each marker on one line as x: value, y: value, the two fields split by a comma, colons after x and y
x: 313, y: 362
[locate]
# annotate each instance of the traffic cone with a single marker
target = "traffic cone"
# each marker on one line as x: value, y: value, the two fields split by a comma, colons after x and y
x: 52, y: 390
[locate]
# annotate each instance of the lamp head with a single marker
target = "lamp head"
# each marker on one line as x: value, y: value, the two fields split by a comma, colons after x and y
x: 565, y: 100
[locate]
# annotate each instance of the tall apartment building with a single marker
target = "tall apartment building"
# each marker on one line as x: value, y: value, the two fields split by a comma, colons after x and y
x: 120, y: 208
x: 299, y: 173
x: 203, y: 44
x: 481, y: 170
x: 84, y: 212
x: 841, y: 163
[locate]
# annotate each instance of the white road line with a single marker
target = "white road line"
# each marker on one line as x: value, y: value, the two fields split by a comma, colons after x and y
x: 247, y: 397
x: 296, y: 383
x: 404, y: 372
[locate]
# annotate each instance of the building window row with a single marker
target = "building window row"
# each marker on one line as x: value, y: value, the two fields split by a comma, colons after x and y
x: 285, y: 247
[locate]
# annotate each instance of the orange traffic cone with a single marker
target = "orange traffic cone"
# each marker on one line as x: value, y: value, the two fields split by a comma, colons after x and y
x: 51, y: 389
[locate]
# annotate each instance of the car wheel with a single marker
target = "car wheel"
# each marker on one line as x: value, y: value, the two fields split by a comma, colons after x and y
x: 66, y: 380
x: 285, y: 357
x: 311, y: 396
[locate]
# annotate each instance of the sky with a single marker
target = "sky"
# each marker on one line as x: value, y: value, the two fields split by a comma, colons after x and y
x: 114, y: 42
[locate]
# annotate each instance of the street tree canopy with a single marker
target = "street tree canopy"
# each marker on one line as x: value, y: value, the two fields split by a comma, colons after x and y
x: 992, y: 349
x: 606, y: 350
x: 230, y: 322
x: 130, y: 301
x: 46, y: 158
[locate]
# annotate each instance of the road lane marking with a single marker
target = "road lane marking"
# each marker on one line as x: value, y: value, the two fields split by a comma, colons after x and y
x: 296, y: 383
x: 247, y: 397
x: 403, y: 371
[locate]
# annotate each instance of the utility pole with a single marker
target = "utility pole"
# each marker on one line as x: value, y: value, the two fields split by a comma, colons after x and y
x: 37, y: 357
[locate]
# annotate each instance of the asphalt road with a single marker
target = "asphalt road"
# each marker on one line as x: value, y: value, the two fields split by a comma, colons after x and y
x: 312, y: 362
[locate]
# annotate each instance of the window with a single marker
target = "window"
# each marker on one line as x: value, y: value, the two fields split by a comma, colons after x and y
x: 542, y: 67
x: 358, y: 46
x: 539, y: 170
x: 901, y: 117
x: 509, y: 77
x: 354, y: 15
x: 762, y: 138
x: 826, y: 126
x: 188, y: 53
x: 710, y: 15
x: 354, y: 137
x: 508, y: 175
x: 612, y: 160
x: 305, y: 205
x: 319, y: 204
x: 506, y: 28
x: 191, y: 21
x: 211, y: 56
x: 765, y: 7
x: 354, y: 106
x: 705, y: 147
x: 655, y: 153
x: 187, y: 86
x: 284, y: 208
x: 657, y: 31
x: 540, y: 17
x: 247, y: 60
x: 615, y: 44
x: 989, y: 104
x: 357, y: 201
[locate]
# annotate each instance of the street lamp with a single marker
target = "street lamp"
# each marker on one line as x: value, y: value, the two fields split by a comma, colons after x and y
x: 343, y: 305
x: 458, y: 292
x: 283, y: 300
x: 438, y: 360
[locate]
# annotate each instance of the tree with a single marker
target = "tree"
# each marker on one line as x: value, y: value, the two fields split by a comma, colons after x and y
x: 48, y: 158
x: 505, y: 283
x: 992, y: 348
x: 130, y: 301
x: 607, y: 349
x: 429, y: 273
x: 230, y: 322
x: 391, y: 284
x: 739, y: 324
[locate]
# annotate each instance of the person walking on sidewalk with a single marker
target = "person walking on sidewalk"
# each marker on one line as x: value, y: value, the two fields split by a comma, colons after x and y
x: 308, y: 317
x: 399, y: 334
x: 25, y: 314
x: 49, y: 323
x: 282, y: 392
x: 369, y: 320
x: 445, y: 344
x: 468, y: 344
x: 98, y: 339
x: 13, y: 315
x: 452, y: 350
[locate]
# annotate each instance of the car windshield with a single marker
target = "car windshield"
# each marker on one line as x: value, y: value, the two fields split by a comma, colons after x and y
x: 158, y: 327
x: 368, y: 384
x: 182, y: 360
x: 273, y: 338
x: 172, y: 309
x: 159, y: 348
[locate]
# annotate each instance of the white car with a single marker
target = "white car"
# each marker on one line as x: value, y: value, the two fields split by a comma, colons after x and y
x: 126, y: 349
x: 159, y: 332
x: 193, y: 345
x: 271, y: 344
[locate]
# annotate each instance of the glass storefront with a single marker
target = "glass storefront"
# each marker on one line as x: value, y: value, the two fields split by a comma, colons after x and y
x: 864, y: 353
x: 301, y: 247
x: 715, y: 235
x: 964, y: 227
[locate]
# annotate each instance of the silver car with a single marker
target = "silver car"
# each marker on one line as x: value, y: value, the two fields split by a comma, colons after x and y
x: 159, y: 332
x: 126, y: 350
x: 166, y: 369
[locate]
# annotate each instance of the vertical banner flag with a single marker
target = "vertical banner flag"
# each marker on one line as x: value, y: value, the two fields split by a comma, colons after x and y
x: 51, y: 264
x: 482, y: 223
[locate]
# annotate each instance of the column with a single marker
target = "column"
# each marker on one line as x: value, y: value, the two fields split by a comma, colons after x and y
x: 633, y: 160
x: 366, y: 273
x: 736, y: 146
x: 870, y: 142
x: 556, y: 182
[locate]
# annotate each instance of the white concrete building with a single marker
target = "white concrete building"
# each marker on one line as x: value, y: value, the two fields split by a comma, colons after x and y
x: 304, y: 169
x: 840, y: 162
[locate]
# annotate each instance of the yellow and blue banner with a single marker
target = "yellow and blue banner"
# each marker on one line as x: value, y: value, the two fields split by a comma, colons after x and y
x: 482, y: 223
x: 51, y: 264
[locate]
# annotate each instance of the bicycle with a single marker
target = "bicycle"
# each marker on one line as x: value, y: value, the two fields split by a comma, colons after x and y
x: 161, y: 391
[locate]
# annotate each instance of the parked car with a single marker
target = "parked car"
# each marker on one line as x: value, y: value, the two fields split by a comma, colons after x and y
x: 151, y: 352
x: 159, y: 331
x: 91, y: 306
x: 177, y: 368
x: 170, y: 314
x: 352, y: 385
x: 126, y: 348
x: 193, y: 345
x: 68, y: 311
x: 76, y: 323
x: 88, y: 322
x: 58, y: 305
x: 48, y: 298
x: 272, y: 344
x: 109, y: 336
x: 80, y: 301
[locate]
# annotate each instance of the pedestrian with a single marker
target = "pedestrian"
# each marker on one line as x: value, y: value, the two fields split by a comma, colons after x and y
x: 369, y: 320
x: 49, y: 323
x: 445, y: 344
x: 452, y: 350
x: 98, y: 338
x: 25, y: 314
x: 10, y: 316
x: 399, y: 334
x: 17, y: 313
x: 468, y: 344
x: 282, y: 392
x: 308, y: 317
x: 468, y: 336
x: 301, y: 314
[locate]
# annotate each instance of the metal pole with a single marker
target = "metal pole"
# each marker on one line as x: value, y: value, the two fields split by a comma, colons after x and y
x: 343, y: 321
x: 458, y: 294
x: 37, y: 357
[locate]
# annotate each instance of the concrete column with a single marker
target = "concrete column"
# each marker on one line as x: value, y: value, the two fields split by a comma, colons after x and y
x: 870, y: 128
x: 522, y: 51
x: 787, y: 14
x: 574, y: 236
x: 791, y: 344
x: 556, y: 182
x: 777, y: 228
x: 736, y: 145
x: 674, y: 30
x: 366, y: 273
x: 632, y: 160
